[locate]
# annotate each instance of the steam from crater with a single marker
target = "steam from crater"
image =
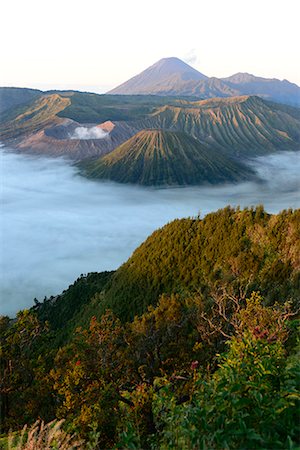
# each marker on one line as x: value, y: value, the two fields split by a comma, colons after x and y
x: 89, y: 133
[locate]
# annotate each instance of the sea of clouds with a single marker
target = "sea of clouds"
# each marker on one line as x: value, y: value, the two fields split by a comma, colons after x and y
x: 56, y: 225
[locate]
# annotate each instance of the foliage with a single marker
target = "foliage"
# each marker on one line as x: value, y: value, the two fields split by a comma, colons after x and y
x: 25, y: 360
x: 69, y: 307
x: 232, y: 249
x: 158, y: 380
x: 88, y: 377
x: 251, y: 401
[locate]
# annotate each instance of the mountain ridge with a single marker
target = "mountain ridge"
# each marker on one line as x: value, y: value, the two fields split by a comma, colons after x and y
x: 173, y: 83
x: 242, y: 127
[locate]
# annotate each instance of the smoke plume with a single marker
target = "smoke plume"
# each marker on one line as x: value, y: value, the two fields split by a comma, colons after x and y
x: 89, y: 133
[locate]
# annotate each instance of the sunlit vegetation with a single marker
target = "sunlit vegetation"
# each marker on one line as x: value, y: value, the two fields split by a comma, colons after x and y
x: 230, y: 249
x: 177, y: 349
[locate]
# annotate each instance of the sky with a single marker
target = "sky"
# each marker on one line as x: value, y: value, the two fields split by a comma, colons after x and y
x: 95, y: 45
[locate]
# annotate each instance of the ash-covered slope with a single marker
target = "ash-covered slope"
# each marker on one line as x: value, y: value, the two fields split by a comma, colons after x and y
x: 157, y: 157
x: 33, y: 117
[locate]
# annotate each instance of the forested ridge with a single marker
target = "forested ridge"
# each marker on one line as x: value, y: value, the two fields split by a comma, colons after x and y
x: 192, y: 343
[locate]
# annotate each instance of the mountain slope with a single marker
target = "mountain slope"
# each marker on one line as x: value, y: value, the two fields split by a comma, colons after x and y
x: 171, y: 76
x: 157, y: 157
x: 164, y: 77
x: 38, y: 115
x: 245, y: 125
x: 241, y: 248
x: 269, y: 88
x: 230, y: 250
x: 241, y: 126
x: 11, y: 97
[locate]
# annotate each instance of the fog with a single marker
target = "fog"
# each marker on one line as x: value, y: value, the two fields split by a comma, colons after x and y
x: 89, y: 133
x: 56, y: 225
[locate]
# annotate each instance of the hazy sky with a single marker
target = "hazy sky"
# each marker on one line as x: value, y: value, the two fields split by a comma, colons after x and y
x: 96, y: 44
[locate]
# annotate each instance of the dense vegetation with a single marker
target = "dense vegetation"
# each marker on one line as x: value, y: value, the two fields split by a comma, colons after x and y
x: 231, y: 248
x: 176, y: 349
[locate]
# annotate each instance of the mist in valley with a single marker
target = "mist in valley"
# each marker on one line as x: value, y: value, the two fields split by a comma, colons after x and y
x: 56, y: 225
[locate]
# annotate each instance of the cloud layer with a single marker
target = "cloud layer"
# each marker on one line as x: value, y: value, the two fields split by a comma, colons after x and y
x: 56, y: 225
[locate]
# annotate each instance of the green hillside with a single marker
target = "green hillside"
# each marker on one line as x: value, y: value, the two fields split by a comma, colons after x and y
x: 157, y: 157
x: 228, y: 247
x: 188, y: 355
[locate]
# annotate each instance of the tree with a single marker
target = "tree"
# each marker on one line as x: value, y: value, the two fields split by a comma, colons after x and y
x: 24, y: 386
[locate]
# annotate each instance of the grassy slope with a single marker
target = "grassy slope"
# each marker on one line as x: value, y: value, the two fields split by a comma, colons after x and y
x: 156, y: 157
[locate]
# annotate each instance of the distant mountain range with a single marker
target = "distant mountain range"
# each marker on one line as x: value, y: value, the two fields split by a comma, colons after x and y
x: 171, y: 76
x: 157, y: 139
